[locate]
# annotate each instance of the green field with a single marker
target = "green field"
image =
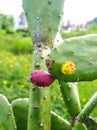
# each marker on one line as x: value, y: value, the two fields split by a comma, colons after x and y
x: 15, y: 69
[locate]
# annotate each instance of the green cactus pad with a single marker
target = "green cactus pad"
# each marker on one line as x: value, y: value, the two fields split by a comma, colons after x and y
x: 79, y: 126
x: 71, y: 98
x: 82, y: 51
x: 49, y: 12
x: 88, y: 108
x: 20, y: 110
x: 58, y: 123
x: 7, y: 121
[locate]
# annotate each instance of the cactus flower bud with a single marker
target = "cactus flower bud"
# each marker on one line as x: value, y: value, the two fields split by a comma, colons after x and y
x: 41, y: 78
x: 68, y: 67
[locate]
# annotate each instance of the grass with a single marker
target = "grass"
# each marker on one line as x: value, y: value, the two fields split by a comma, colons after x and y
x: 15, y: 65
x: 16, y: 44
x: 15, y: 69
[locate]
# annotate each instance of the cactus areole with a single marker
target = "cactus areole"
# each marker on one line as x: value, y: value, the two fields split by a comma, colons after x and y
x: 41, y: 78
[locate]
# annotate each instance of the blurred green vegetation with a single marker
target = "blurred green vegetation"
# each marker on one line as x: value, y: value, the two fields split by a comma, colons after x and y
x: 15, y: 69
x: 74, y: 33
x: 6, y: 23
x: 16, y: 43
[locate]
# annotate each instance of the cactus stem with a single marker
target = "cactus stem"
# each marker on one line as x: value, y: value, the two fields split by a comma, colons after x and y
x: 71, y: 97
x: 58, y: 123
x: 37, y: 103
x: 7, y: 118
x: 47, y: 14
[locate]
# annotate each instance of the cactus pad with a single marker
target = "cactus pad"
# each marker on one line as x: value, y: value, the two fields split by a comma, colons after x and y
x: 7, y: 121
x: 49, y: 12
x: 58, y: 123
x: 20, y: 110
x: 79, y: 126
x: 71, y: 98
x: 81, y: 52
x: 88, y: 108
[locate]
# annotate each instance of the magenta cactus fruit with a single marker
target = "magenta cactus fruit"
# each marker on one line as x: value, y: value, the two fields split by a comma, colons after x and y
x: 41, y: 78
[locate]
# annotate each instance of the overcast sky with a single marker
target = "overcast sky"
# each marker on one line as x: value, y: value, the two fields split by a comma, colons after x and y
x: 77, y: 11
x: 12, y: 7
x: 80, y: 10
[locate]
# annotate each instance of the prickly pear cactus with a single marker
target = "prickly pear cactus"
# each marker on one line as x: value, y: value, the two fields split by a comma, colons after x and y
x: 75, y: 59
x: 49, y: 12
x: 7, y: 121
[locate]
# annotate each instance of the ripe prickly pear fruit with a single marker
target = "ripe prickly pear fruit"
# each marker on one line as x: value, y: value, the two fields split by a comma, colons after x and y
x: 41, y: 78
